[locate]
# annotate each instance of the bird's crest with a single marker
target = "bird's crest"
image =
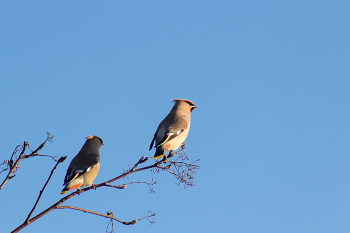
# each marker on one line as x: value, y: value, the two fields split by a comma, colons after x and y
x: 189, y: 102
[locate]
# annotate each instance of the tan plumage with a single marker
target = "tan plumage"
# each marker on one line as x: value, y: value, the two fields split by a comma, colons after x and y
x: 173, y: 129
x: 84, y: 166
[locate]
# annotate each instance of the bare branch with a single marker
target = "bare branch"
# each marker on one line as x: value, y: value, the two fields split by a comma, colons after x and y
x: 143, y: 159
x: 13, y: 166
x: 108, y: 215
x: 35, y: 152
x: 123, y: 186
x: 56, y: 205
x: 18, y: 148
x: 183, y: 172
x: 7, y: 164
x: 110, y: 222
x: 150, y: 215
x: 41, y: 192
x: 37, y: 155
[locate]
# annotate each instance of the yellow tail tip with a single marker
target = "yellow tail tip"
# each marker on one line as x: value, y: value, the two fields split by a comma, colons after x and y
x: 157, y: 157
x: 63, y: 192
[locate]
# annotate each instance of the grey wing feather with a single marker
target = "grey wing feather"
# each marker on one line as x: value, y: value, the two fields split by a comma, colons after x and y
x: 80, y: 166
x: 179, y: 124
x: 173, y: 131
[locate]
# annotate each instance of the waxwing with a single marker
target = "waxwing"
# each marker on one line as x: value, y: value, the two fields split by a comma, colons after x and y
x: 173, y: 129
x: 84, y: 166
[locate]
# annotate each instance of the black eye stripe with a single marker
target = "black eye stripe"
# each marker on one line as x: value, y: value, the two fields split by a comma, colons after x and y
x: 189, y: 103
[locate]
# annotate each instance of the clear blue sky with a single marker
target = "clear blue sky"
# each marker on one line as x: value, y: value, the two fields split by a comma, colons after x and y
x: 271, y: 80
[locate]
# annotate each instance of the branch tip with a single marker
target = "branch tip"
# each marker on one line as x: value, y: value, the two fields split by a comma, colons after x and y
x: 62, y: 159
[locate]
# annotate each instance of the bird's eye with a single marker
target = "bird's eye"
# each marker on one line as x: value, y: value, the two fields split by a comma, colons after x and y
x: 189, y: 103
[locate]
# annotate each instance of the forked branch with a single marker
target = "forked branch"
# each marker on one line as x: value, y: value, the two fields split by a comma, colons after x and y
x: 108, y: 215
x: 41, y: 191
x: 180, y: 173
x: 12, y: 165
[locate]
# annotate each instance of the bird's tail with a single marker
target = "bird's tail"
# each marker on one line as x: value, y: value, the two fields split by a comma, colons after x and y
x: 158, y: 154
x: 68, y: 188
x: 64, y: 191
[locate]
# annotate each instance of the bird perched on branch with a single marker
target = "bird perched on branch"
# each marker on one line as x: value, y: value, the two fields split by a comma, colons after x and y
x: 84, y: 166
x: 173, y: 129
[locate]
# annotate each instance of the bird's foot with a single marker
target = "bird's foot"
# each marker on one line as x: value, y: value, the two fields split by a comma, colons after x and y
x: 171, y: 154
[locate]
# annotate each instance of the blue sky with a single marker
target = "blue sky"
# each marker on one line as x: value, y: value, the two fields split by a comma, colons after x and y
x: 271, y: 80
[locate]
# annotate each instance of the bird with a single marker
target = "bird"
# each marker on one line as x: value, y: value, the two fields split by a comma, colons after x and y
x: 173, y: 129
x: 84, y: 167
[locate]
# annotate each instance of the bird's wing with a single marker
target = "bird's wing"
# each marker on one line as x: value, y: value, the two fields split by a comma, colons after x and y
x: 154, y: 138
x: 174, y: 130
x: 81, y: 166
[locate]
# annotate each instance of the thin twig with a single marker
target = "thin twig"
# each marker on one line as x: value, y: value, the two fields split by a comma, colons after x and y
x: 14, y: 166
x: 110, y: 222
x: 28, y: 156
x: 143, y: 159
x: 123, y: 186
x: 41, y: 191
x: 150, y: 214
x: 103, y: 215
x: 48, y: 139
x: 18, y: 147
